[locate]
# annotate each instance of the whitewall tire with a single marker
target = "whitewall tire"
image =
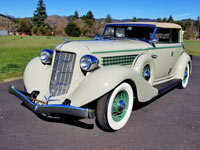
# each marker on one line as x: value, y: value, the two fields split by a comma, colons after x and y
x: 114, y: 109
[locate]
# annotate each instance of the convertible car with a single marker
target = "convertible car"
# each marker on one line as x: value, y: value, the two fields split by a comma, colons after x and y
x: 132, y: 61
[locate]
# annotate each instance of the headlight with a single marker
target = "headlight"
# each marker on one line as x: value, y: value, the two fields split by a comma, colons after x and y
x: 46, y: 56
x: 89, y: 62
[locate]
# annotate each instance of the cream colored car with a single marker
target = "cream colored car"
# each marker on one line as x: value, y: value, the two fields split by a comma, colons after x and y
x: 133, y: 61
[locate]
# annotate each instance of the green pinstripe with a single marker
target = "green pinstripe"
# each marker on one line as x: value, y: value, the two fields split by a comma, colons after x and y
x: 131, y: 50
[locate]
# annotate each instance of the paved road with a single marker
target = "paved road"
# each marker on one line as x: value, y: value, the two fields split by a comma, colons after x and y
x: 171, y: 122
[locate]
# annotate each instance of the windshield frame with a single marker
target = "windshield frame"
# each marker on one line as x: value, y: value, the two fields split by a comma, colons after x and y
x: 130, y: 25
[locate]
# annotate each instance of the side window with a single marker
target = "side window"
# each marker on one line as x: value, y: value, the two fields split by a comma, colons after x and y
x: 109, y: 32
x: 139, y: 32
x: 120, y: 32
x: 167, y: 35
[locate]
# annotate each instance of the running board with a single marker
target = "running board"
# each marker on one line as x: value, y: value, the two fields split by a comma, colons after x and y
x: 167, y: 86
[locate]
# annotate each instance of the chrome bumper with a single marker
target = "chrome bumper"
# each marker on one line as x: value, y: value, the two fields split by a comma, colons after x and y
x: 52, y: 108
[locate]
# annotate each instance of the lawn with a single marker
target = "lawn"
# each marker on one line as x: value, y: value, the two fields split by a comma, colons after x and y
x: 192, y: 47
x: 17, y: 51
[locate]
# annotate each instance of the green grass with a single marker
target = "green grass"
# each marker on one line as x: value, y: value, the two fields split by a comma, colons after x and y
x: 192, y: 47
x: 17, y: 51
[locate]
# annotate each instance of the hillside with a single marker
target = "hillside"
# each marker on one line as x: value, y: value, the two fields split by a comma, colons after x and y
x: 4, y: 20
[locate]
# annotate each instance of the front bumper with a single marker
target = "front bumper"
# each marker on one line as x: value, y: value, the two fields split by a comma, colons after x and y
x: 52, y: 108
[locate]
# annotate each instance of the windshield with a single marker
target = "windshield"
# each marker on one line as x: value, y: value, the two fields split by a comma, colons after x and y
x: 131, y: 32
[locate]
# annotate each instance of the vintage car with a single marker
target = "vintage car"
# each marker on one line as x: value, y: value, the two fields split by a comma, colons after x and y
x: 133, y: 61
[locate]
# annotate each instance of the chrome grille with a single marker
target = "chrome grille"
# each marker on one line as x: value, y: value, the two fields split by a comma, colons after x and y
x: 62, y: 73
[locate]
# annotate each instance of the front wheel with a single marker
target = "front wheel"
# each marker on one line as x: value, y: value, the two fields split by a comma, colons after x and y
x: 186, y: 76
x: 114, y: 109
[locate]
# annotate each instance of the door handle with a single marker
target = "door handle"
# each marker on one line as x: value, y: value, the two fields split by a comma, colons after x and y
x: 172, y: 53
x: 154, y: 56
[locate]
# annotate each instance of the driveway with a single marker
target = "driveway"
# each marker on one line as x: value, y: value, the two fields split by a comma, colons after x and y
x: 171, y: 122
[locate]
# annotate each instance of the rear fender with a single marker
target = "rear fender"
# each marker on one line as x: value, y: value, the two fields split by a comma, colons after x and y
x: 184, y: 59
x: 106, y: 79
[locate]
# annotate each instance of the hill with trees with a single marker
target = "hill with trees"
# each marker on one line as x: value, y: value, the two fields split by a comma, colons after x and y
x: 75, y: 25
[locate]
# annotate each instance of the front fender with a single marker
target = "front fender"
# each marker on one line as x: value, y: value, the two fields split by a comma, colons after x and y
x: 104, y: 80
x: 37, y: 76
x: 140, y: 62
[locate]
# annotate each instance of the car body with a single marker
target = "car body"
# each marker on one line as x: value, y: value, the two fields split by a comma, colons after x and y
x: 132, y: 61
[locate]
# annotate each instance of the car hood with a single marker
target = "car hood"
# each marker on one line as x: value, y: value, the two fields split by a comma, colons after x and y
x: 101, y: 46
x: 105, y: 46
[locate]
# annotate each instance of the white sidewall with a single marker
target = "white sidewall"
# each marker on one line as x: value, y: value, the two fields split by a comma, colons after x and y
x: 118, y: 125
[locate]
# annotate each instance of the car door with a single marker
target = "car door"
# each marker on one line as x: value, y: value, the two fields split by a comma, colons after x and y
x: 177, y: 49
x: 166, y: 52
x: 161, y: 55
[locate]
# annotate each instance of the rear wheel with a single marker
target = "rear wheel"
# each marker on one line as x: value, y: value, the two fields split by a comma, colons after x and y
x: 114, y: 109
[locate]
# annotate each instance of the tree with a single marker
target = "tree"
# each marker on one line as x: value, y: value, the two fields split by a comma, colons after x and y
x: 24, y: 26
x: 198, y: 24
x: 72, y: 30
x: 89, y: 15
x: 34, y: 29
x: 190, y: 30
x: 159, y: 20
x: 76, y: 15
x: 108, y: 19
x: 134, y: 19
x: 42, y: 30
x: 188, y: 23
x: 40, y: 14
x: 171, y: 20
x: 181, y: 23
x: 164, y: 19
x: 88, y: 19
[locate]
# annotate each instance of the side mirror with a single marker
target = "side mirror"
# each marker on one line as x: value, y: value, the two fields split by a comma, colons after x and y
x: 96, y: 37
x: 153, y: 42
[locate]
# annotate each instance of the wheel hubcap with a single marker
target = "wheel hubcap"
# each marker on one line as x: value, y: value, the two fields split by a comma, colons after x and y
x: 120, y: 106
x: 185, y: 75
x: 146, y: 72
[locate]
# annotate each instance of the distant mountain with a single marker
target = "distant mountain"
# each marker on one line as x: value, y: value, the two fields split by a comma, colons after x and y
x: 56, y: 19
x: 12, y: 18
x: 129, y: 20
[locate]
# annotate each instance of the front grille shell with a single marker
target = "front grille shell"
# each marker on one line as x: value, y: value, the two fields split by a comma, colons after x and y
x: 62, y: 72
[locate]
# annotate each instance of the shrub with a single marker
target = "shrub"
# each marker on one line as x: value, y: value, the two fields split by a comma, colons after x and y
x: 73, y: 30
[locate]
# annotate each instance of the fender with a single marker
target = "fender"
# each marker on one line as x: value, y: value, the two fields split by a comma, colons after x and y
x: 37, y: 76
x: 106, y: 79
x: 140, y: 62
x: 184, y: 59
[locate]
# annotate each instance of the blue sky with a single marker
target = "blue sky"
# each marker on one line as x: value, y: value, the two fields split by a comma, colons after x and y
x: 118, y: 9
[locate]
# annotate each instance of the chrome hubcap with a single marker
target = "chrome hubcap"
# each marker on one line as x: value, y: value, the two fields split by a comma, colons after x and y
x: 146, y: 72
x: 121, y: 105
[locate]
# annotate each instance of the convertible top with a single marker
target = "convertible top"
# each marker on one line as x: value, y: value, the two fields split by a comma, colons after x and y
x: 151, y: 24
